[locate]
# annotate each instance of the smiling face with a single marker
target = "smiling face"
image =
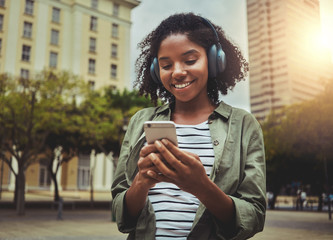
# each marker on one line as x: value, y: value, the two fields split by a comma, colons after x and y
x: 183, y: 68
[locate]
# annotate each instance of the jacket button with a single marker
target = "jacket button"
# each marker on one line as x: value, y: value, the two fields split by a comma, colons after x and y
x: 210, y: 121
x: 216, y: 143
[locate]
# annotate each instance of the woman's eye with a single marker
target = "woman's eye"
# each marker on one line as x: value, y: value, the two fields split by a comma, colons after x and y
x: 166, y: 67
x: 191, y: 62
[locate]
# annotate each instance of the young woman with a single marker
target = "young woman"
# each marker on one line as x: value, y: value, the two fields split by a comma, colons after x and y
x: 212, y: 185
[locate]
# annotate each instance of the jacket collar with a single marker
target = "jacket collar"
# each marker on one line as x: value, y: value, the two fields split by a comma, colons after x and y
x: 164, y: 109
x: 223, y: 110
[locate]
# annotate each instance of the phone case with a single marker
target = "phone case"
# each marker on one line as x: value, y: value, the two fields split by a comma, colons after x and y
x: 157, y: 130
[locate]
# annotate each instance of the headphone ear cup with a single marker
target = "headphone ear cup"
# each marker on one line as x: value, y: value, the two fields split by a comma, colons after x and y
x: 212, y: 71
x: 221, y: 60
x: 216, y: 61
x: 155, y: 71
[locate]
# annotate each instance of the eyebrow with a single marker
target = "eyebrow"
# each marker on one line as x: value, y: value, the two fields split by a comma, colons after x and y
x: 183, y: 54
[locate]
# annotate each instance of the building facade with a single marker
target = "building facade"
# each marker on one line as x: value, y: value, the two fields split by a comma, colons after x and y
x: 287, y: 62
x: 90, y: 38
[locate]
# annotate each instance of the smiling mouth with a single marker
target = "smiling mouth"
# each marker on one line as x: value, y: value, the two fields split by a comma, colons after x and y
x: 183, y: 85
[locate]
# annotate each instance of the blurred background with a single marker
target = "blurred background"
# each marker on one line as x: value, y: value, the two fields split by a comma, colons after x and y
x: 66, y: 88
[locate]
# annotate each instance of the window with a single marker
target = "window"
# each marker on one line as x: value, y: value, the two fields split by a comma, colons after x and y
x: 92, y: 44
x: 113, y: 71
x: 24, y: 73
x: 54, y: 37
x: 27, y: 29
x: 93, y: 23
x: 116, y: 9
x: 56, y: 15
x: 115, y: 30
x: 92, y: 65
x: 26, y: 53
x: 114, y: 50
x: 53, y: 59
x: 83, y: 173
x: 2, y: 3
x: 94, y: 3
x: 1, y: 22
x: 44, y: 176
x: 29, y: 7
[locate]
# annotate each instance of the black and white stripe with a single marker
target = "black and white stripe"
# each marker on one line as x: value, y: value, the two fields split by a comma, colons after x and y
x: 175, y: 209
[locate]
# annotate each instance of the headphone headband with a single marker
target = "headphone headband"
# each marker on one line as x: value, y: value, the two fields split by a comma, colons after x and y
x: 209, y: 24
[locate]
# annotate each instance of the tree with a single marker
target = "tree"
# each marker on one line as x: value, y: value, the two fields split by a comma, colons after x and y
x: 99, y: 129
x: 104, y: 120
x: 128, y: 102
x: 30, y: 110
x: 317, y: 140
x: 40, y: 120
x: 19, y: 112
x: 61, y: 91
x: 299, y: 142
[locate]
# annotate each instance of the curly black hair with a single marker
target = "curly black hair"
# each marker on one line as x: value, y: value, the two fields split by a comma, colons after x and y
x: 200, y: 33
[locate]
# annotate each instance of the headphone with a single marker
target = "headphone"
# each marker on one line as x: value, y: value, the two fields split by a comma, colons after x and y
x: 216, y: 59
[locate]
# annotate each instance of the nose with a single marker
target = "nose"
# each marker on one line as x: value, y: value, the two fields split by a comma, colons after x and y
x: 179, y: 72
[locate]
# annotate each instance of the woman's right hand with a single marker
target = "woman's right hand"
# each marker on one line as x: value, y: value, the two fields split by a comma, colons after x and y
x: 146, y: 167
x: 137, y: 194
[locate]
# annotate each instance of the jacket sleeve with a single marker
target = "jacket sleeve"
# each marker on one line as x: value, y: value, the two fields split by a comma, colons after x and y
x: 248, y: 172
x: 120, y: 185
x: 127, y: 167
x: 250, y: 197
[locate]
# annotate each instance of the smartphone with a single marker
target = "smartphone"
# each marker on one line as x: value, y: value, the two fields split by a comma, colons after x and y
x: 157, y: 130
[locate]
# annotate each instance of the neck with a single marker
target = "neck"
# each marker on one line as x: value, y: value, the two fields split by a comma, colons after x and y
x: 193, y: 112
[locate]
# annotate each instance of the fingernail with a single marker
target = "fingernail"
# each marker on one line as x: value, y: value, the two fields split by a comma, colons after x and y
x: 165, y: 142
x: 150, y: 173
x: 152, y: 156
x: 158, y: 144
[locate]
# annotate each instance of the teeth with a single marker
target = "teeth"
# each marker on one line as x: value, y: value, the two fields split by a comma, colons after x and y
x: 179, y: 86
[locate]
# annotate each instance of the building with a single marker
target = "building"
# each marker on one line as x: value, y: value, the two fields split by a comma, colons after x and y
x: 287, y: 63
x: 90, y: 38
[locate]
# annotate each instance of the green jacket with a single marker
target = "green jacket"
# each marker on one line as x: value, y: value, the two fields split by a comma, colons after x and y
x: 239, y: 170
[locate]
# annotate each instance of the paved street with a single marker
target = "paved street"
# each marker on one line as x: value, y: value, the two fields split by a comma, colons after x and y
x: 296, y: 225
x: 81, y: 223
x: 96, y: 224
x: 43, y: 224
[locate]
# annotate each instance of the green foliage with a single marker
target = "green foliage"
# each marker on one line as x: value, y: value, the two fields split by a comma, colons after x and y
x: 126, y: 100
x: 57, y: 110
x: 31, y: 110
x: 125, y: 104
x: 299, y: 142
x: 100, y: 124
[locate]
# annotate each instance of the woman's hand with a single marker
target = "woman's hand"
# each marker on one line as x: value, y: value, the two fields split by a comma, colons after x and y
x: 147, y: 168
x: 185, y: 169
x: 189, y: 174
x: 137, y: 193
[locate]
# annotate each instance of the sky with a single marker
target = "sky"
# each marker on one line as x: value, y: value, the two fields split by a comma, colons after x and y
x: 230, y: 15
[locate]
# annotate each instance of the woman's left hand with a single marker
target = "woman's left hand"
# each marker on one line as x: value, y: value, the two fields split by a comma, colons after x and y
x: 189, y: 174
x: 186, y: 170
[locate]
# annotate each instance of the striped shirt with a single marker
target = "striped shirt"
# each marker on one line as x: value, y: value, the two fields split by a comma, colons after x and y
x: 175, y: 209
